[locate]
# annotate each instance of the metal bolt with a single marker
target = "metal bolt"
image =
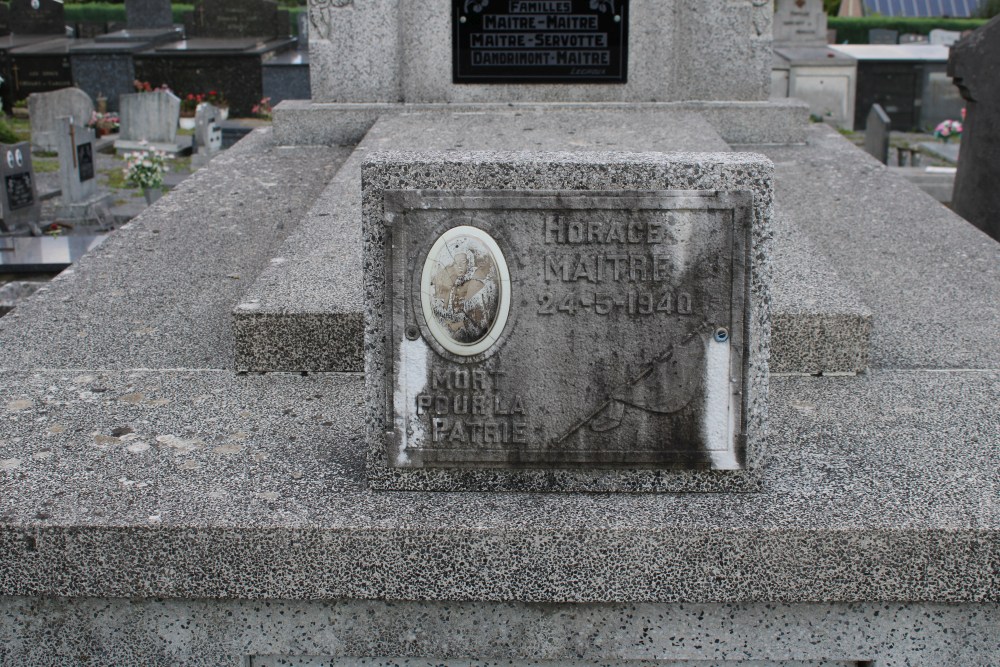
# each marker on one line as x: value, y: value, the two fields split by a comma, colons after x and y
x: 721, y: 335
x: 618, y: 18
x: 462, y: 19
x: 412, y: 332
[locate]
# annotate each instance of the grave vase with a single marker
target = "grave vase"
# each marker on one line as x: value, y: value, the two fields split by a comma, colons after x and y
x: 152, y: 195
x: 187, y: 123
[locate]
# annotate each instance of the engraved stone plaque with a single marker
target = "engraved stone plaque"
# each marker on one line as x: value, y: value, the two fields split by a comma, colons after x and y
x: 567, y: 329
x: 540, y: 41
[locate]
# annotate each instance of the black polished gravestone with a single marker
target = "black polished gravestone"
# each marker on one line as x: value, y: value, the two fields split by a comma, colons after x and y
x: 24, y: 26
x: 540, y: 41
x: 19, y: 203
x: 975, y: 66
x: 227, y: 44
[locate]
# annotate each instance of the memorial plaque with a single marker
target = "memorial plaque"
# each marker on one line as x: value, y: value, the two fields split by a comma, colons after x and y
x: 20, y: 190
x: 540, y: 41
x: 85, y: 161
x: 19, y: 203
x: 567, y: 329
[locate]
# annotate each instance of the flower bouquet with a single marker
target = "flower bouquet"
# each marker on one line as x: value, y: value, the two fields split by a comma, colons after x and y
x: 947, y: 129
x: 145, y: 169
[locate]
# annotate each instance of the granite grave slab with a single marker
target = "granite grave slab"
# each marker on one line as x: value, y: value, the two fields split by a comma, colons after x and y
x: 149, y: 120
x: 477, y: 371
x: 20, y: 204
x: 37, y: 17
x: 46, y: 109
x: 877, y: 131
x: 78, y: 171
x: 799, y: 23
x: 975, y: 66
x: 41, y: 67
x: 148, y: 15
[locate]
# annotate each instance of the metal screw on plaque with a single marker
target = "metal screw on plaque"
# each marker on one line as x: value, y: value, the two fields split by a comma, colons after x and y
x: 721, y: 335
x: 412, y: 332
x: 618, y: 18
x: 461, y: 19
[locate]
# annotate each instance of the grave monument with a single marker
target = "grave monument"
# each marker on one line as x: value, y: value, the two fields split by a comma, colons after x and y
x: 805, y: 68
x: 207, y: 134
x: 27, y: 26
x: 106, y: 65
x: 227, y: 42
x: 974, y: 66
x: 149, y: 121
x: 20, y: 204
x: 46, y: 109
x: 635, y: 366
x: 78, y: 171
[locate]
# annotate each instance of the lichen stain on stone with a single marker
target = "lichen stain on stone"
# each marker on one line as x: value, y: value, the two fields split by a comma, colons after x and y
x: 9, y: 464
x: 56, y: 429
x: 138, y: 447
x: 228, y: 449
x: 19, y: 405
x: 182, y: 445
x: 189, y: 465
x: 104, y: 441
x: 133, y: 399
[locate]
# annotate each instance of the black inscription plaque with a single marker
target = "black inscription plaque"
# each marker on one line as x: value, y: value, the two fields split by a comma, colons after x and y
x: 540, y: 41
x: 85, y: 161
x: 19, y: 192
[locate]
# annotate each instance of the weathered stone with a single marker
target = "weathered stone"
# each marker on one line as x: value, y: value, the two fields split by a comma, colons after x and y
x: 78, y: 171
x: 148, y: 117
x: 207, y: 131
x: 19, y: 204
x: 877, y: 131
x: 975, y: 66
x: 584, y: 314
x: 45, y: 110
x: 142, y: 14
x: 799, y: 23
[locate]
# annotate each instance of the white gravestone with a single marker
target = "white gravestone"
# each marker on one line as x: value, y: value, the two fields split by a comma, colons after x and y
x: 149, y: 120
x: 45, y: 110
x: 77, y: 170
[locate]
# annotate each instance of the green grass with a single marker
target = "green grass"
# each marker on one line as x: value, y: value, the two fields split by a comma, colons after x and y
x: 46, y: 166
x: 116, y: 179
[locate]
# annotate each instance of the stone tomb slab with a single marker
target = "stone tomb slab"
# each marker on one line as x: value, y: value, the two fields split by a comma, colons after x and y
x: 558, y: 327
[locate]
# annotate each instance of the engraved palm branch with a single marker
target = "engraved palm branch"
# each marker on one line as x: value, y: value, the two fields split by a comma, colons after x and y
x: 603, y: 5
x: 476, y: 5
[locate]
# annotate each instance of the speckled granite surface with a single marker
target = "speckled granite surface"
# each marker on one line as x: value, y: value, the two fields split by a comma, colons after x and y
x: 145, y: 490
x: 579, y: 172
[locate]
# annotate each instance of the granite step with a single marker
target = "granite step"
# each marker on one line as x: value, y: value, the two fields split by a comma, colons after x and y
x: 305, y: 310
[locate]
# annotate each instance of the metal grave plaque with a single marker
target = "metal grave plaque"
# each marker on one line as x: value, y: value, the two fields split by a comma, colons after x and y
x: 540, y: 41
x: 567, y: 329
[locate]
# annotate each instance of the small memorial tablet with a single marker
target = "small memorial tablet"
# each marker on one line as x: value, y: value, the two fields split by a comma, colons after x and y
x: 567, y: 329
x: 540, y: 41
x: 85, y: 161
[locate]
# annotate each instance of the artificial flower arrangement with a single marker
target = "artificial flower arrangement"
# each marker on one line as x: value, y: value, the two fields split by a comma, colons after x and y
x: 947, y: 129
x: 145, y: 169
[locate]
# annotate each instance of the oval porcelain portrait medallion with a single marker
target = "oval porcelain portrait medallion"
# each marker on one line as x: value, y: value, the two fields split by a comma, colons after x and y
x: 465, y: 291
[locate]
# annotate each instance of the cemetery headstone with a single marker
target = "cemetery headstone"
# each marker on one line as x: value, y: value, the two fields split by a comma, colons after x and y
x: 945, y: 37
x: 877, y: 131
x: 19, y: 203
x: 77, y: 170
x: 148, y: 14
x: 544, y: 329
x: 207, y: 132
x: 303, y: 25
x: 975, y: 66
x: 882, y: 36
x: 799, y: 22
x: 45, y: 110
x: 37, y: 17
x: 912, y: 38
x: 236, y: 19
x: 149, y: 120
